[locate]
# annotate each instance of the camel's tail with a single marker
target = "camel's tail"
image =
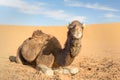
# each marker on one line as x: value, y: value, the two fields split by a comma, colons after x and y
x: 12, y: 58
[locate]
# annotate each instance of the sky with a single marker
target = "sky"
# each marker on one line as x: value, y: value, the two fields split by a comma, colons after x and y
x: 58, y: 12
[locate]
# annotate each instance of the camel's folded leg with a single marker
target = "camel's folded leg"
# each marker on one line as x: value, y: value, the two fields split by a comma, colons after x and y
x: 45, y: 60
x: 19, y: 58
x: 44, y: 63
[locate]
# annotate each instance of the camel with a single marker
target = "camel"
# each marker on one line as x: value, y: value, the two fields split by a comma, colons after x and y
x: 44, y: 49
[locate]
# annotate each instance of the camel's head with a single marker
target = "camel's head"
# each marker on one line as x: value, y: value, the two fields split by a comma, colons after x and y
x: 76, y: 29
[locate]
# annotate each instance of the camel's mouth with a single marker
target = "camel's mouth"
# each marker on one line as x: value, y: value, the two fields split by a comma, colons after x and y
x: 77, y: 35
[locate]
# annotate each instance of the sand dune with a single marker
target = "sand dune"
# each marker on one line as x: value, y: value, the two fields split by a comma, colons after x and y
x: 100, y: 42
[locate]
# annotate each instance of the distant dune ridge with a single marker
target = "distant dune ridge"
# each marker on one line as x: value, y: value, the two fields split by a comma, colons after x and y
x: 99, y: 41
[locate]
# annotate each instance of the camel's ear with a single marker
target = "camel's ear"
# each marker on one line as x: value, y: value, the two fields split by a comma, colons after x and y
x: 83, y: 25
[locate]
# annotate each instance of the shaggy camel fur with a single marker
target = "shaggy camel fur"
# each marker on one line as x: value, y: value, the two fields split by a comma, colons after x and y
x: 43, y: 49
x: 37, y: 49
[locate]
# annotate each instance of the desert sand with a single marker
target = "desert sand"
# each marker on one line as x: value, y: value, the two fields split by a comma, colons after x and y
x: 99, y: 58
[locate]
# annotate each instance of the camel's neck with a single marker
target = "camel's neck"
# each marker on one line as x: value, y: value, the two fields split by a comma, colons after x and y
x: 72, y: 48
x: 67, y: 55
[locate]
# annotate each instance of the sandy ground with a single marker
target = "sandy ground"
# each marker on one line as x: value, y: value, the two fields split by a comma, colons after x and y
x: 99, y: 58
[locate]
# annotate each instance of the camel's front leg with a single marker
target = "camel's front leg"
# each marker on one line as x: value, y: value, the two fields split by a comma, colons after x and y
x: 44, y: 63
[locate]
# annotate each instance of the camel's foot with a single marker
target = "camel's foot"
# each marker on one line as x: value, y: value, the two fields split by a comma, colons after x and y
x: 47, y: 71
x: 72, y: 70
x: 67, y: 70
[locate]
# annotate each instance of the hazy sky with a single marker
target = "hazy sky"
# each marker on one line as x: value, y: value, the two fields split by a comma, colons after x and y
x: 58, y: 12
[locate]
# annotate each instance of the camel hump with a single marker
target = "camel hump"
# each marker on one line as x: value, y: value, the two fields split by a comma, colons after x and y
x: 33, y: 45
x: 40, y: 34
x: 37, y: 33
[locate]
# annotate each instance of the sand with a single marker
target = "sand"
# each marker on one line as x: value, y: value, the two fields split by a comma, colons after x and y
x: 99, y: 58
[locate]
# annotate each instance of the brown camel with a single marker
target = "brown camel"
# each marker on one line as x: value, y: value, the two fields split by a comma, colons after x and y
x: 43, y: 49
